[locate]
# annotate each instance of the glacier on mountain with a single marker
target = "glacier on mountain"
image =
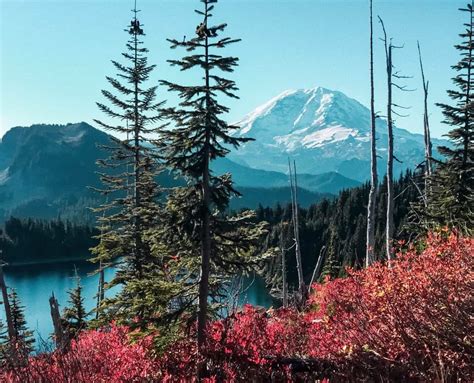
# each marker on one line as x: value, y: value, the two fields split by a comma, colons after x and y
x: 323, y: 130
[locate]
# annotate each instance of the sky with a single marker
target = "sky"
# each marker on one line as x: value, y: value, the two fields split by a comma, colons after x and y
x: 55, y: 54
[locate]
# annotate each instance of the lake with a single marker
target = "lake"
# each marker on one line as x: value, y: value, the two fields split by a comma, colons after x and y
x: 35, y: 284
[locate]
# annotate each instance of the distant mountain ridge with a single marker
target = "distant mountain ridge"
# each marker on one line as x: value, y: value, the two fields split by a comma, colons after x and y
x: 23, y: 148
x: 45, y: 171
x: 244, y: 176
x: 48, y: 162
x: 324, y: 131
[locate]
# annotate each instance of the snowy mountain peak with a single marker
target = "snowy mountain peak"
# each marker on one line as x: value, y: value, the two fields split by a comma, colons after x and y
x: 323, y: 129
x: 306, y: 118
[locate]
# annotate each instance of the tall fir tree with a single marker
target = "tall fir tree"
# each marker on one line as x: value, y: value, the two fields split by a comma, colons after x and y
x: 75, y: 314
x: 332, y: 265
x: 452, y: 198
x: 212, y: 246
x: 130, y: 210
x: 3, y: 344
x: 23, y: 336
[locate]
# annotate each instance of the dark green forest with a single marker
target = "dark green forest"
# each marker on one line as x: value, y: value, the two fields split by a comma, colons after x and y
x: 336, y: 228
x: 43, y: 241
x: 338, y: 224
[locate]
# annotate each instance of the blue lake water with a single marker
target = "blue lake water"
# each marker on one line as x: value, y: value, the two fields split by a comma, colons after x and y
x: 35, y: 284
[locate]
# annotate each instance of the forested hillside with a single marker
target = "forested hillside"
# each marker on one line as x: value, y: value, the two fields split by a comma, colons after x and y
x: 24, y: 241
x: 32, y: 240
x: 47, y: 171
x: 336, y: 229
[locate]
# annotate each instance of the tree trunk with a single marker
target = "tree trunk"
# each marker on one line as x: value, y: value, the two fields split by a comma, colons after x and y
x: 100, y: 289
x: 318, y: 266
x: 426, y: 130
x: 6, y: 304
x: 137, y: 164
x: 294, y: 200
x: 468, y: 101
x: 205, y: 229
x: 389, y: 220
x: 370, y: 242
x: 57, y: 324
x: 283, y: 269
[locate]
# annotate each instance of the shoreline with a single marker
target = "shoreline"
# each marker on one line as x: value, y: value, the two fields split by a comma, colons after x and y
x: 48, y: 261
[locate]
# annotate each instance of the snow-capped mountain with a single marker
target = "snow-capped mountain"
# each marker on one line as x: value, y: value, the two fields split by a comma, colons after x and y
x: 323, y: 130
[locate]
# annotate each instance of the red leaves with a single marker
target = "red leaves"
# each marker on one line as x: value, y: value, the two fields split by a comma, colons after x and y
x: 412, y: 316
x: 410, y: 321
x: 96, y: 356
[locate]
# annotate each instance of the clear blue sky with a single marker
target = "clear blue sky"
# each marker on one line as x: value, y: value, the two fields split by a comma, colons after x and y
x: 55, y: 54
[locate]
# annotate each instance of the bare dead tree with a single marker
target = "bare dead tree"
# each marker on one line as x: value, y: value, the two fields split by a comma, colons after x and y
x: 100, y: 290
x: 389, y: 47
x: 104, y: 265
x: 294, y: 204
x: 59, y: 334
x: 389, y: 68
x: 316, y: 271
x: 369, y: 256
x: 426, y: 130
x: 101, y: 286
x: 283, y: 268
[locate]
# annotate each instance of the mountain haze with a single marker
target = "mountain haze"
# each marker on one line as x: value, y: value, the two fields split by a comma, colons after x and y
x: 244, y: 176
x: 45, y: 171
x: 44, y: 166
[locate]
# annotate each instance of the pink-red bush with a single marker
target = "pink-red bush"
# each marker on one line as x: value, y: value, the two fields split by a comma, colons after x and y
x: 96, y: 356
x: 407, y: 321
x: 412, y: 317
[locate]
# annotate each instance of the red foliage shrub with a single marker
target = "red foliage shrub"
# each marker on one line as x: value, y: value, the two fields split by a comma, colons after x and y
x: 413, y: 317
x: 96, y: 356
x: 411, y: 321
x: 407, y: 321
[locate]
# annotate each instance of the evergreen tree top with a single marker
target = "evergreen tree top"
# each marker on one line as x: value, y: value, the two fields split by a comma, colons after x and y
x: 453, y: 181
x: 199, y: 126
x: 128, y: 93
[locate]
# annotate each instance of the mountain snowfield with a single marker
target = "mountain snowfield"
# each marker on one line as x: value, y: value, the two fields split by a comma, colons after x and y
x: 323, y: 130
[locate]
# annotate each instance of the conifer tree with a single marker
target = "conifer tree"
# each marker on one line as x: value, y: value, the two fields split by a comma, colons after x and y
x: 23, y: 336
x: 4, y: 289
x: 6, y: 302
x: 129, y: 182
x: 3, y: 333
x: 3, y: 343
x: 212, y: 246
x: 332, y: 265
x: 452, y: 198
x: 75, y: 314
